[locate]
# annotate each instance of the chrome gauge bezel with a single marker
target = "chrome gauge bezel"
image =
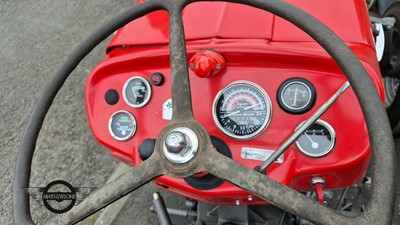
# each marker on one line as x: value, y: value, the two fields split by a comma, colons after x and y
x: 268, y: 109
x: 132, y: 117
x: 291, y: 83
x: 146, y: 100
x: 331, y: 146
x: 296, y: 110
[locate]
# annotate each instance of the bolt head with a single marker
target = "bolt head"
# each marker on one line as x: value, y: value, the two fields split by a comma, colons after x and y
x: 180, y: 146
x: 176, y: 142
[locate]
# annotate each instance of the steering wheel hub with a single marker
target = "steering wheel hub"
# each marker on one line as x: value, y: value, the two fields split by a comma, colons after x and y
x: 181, y: 145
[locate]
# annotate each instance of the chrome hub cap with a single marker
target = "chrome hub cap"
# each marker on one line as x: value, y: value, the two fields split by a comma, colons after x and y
x: 181, y: 145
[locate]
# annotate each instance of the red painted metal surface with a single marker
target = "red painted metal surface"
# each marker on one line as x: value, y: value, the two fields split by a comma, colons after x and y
x: 206, y: 20
x: 268, y: 55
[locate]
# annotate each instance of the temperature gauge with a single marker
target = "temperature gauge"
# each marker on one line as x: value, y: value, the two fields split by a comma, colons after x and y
x: 122, y: 125
x: 296, y: 96
x: 318, y: 140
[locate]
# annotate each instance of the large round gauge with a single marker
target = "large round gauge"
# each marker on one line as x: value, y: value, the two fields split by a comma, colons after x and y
x: 296, y: 96
x: 136, y: 92
x: 122, y: 125
x: 242, y: 110
x: 318, y: 140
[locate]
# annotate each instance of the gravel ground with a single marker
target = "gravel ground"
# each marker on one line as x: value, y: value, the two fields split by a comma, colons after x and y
x: 34, y: 41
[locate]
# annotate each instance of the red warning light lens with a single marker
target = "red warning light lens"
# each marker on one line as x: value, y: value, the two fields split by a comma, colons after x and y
x: 207, y: 63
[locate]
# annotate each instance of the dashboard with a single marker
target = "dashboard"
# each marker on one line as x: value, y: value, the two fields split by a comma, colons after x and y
x: 249, y: 109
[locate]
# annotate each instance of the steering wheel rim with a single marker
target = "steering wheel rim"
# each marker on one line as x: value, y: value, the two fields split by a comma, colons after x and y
x: 380, y: 207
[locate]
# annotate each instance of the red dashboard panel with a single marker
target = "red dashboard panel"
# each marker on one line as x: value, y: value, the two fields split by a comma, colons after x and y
x: 266, y: 64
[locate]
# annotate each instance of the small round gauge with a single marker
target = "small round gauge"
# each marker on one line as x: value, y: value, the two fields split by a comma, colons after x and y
x: 136, y: 92
x: 318, y: 140
x: 296, y: 96
x: 242, y: 110
x: 122, y: 125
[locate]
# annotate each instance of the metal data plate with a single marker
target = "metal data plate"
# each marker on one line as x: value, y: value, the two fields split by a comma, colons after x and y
x: 258, y: 154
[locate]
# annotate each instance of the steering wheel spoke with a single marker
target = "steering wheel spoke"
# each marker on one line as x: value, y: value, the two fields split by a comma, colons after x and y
x: 111, y: 192
x: 181, y: 96
x: 280, y: 195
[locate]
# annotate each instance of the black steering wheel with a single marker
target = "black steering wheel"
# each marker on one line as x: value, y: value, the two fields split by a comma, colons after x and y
x: 205, y: 157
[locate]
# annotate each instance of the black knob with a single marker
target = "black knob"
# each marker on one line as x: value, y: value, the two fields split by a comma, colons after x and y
x: 146, y: 149
x: 111, y: 97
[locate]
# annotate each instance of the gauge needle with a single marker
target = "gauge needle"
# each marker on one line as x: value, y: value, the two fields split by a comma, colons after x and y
x: 295, y: 97
x: 134, y: 92
x: 249, y: 107
x: 230, y: 114
x: 314, y: 144
x: 123, y: 132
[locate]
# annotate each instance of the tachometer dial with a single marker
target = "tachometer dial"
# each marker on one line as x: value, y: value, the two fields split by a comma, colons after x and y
x: 318, y: 140
x: 242, y: 110
x: 122, y: 125
x: 296, y: 96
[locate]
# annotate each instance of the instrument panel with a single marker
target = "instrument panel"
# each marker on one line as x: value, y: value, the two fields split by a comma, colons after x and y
x: 251, y: 110
x: 242, y: 110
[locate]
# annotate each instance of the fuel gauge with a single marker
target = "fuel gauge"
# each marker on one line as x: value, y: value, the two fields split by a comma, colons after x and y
x: 122, y: 125
x: 296, y: 96
x: 318, y: 140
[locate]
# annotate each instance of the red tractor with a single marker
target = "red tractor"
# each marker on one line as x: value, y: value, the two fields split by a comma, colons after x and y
x: 258, y: 112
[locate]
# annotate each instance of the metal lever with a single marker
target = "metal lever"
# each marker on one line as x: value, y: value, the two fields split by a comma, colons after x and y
x: 161, y: 210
